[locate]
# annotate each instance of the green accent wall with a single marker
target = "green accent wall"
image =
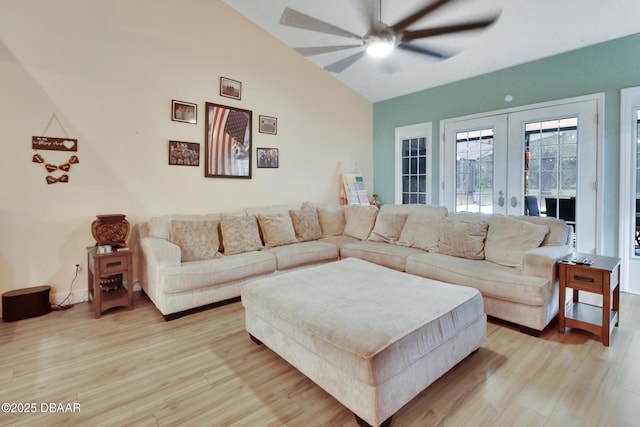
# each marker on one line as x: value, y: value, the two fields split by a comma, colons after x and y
x: 603, y: 68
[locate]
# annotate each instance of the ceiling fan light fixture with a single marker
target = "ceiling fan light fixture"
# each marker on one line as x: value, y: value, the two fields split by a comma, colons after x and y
x: 380, y: 47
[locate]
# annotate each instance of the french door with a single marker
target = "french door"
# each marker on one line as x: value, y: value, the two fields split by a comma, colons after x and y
x: 630, y: 189
x: 547, y: 152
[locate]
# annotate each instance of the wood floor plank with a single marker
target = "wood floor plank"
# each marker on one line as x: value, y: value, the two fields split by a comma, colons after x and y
x: 131, y: 368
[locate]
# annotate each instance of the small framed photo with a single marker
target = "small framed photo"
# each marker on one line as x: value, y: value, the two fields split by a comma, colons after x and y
x: 268, y: 157
x: 230, y: 88
x: 268, y: 125
x: 184, y: 153
x: 184, y: 112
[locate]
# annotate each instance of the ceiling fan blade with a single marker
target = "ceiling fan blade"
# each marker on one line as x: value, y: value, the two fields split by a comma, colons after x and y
x: 419, y: 14
x: 317, y: 50
x: 342, y: 64
x: 293, y: 18
x: 422, y: 50
x: 447, y: 29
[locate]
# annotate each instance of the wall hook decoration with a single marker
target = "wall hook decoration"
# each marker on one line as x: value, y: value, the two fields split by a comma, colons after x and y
x: 55, y: 144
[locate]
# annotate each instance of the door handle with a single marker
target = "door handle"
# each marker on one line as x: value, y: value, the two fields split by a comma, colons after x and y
x: 514, y: 202
x: 501, y: 199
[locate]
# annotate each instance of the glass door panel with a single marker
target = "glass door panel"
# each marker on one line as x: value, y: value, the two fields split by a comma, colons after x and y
x: 474, y: 170
x: 413, y: 183
x: 630, y: 189
x: 472, y: 181
x: 551, y: 175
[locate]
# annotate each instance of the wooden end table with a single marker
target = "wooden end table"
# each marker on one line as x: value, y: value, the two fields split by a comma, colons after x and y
x: 602, y: 278
x: 106, y: 290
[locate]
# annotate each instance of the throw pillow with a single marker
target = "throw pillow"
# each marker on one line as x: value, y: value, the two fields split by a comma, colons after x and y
x: 388, y: 226
x: 197, y: 240
x: 559, y: 233
x: 240, y: 234
x: 306, y: 224
x: 359, y: 220
x: 421, y: 232
x: 277, y: 229
x: 462, y: 236
x: 508, y: 239
x: 331, y: 218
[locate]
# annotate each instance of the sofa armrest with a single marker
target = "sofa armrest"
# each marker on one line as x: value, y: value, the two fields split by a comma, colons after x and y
x: 160, y: 251
x: 155, y: 254
x: 541, y: 261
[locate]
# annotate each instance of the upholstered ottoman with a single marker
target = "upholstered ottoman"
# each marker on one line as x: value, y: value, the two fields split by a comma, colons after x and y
x: 370, y: 336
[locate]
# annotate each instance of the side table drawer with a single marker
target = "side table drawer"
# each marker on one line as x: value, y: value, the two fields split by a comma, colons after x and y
x: 584, y: 279
x: 113, y: 264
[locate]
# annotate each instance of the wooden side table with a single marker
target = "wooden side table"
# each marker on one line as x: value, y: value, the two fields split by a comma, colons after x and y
x: 603, y: 278
x: 110, y: 280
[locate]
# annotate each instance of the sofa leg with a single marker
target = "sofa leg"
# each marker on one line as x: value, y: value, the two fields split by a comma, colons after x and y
x: 255, y: 340
x: 363, y: 423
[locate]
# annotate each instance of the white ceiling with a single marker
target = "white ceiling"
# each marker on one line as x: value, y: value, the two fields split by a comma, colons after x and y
x: 526, y: 30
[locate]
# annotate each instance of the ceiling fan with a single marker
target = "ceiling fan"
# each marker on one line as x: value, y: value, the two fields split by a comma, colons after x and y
x: 381, y: 38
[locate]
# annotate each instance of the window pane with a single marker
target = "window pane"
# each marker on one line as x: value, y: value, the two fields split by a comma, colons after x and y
x: 474, y: 170
x: 551, y: 175
x: 414, y: 170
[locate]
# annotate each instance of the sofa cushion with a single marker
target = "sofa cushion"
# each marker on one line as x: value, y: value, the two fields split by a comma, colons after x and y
x: 491, y: 279
x: 508, y: 239
x: 277, y: 229
x: 339, y: 241
x: 240, y: 234
x: 210, y: 273
x: 306, y: 224
x: 197, y: 239
x: 421, y: 232
x: 463, y: 236
x: 388, y: 225
x: 331, y: 218
x: 359, y: 220
x: 303, y: 253
x: 385, y: 254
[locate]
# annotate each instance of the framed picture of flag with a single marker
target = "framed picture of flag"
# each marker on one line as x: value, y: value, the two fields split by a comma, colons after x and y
x: 227, y: 142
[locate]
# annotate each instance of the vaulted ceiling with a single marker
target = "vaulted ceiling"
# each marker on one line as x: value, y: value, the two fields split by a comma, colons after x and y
x: 524, y: 31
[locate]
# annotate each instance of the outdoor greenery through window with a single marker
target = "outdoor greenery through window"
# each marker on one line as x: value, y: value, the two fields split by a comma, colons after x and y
x: 414, y: 171
x: 474, y: 171
x: 551, y: 167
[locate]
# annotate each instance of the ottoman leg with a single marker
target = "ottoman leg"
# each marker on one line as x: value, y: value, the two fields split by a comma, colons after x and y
x: 363, y: 423
x: 255, y: 340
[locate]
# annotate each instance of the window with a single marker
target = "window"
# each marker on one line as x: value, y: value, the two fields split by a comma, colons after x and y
x: 551, y: 169
x: 414, y: 171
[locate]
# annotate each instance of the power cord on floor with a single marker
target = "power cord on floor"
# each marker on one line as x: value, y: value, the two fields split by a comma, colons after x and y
x: 67, y: 302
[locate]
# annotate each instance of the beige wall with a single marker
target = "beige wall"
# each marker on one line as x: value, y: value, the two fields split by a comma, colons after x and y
x: 108, y: 70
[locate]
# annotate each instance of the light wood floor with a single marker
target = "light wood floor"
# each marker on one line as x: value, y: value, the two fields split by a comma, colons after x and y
x: 133, y: 368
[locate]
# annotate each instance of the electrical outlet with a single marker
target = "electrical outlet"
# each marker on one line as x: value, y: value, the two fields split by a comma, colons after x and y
x: 77, y: 268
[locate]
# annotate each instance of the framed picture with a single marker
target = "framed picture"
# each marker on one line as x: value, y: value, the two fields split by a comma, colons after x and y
x: 268, y: 125
x: 227, y: 149
x: 268, y: 157
x: 184, y: 112
x: 184, y: 153
x: 230, y: 88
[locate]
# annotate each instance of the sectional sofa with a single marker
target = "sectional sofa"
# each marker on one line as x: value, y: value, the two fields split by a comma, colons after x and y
x: 190, y: 261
